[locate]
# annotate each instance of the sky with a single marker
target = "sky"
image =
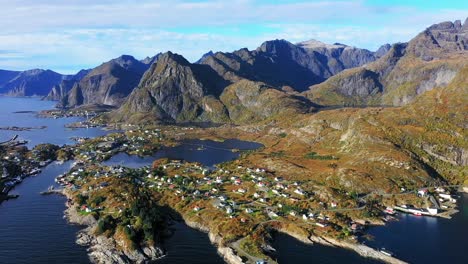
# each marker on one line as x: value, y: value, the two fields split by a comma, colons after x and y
x: 69, y: 35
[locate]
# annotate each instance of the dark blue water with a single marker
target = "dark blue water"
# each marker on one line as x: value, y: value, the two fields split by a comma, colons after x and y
x: 32, y: 228
x: 189, y: 246
x: 213, y: 153
x: 55, y: 133
x: 291, y: 250
x: 418, y: 239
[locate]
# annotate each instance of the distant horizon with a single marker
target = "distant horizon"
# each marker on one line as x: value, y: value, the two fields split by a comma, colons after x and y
x: 67, y: 36
x: 192, y: 61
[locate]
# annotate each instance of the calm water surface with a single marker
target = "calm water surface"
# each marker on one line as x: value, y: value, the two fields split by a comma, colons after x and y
x: 418, y: 239
x: 55, y: 133
x: 207, y: 152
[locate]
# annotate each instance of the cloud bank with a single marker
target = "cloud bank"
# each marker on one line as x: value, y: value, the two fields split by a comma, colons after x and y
x: 69, y: 35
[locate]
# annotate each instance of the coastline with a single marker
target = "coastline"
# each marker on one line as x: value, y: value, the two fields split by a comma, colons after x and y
x: 362, y: 250
x: 102, y: 249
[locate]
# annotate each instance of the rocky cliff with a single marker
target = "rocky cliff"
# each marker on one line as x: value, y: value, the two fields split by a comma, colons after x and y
x: 107, y: 84
x: 60, y: 91
x: 280, y: 63
x: 35, y: 82
x: 173, y: 90
x: 431, y: 59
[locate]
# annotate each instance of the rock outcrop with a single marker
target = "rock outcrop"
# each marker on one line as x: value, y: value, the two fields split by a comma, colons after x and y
x: 173, y: 90
x: 280, y: 63
x: 248, y: 101
x: 102, y: 249
x: 432, y: 59
x: 60, y: 91
x: 35, y: 82
x: 107, y: 84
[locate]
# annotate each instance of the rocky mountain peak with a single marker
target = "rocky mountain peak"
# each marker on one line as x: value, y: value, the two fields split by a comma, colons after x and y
x: 465, y: 25
x: 205, y: 56
x: 150, y: 60
x: 314, y: 44
x: 275, y: 46
x: 169, y: 58
x: 130, y: 63
x: 440, y: 40
x: 382, y: 50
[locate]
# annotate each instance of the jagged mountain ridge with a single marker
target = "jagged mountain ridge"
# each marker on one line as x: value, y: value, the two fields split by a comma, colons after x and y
x: 280, y: 63
x: 59, y: 91
x: 108, y: 84
x: 34, y: 82
x: 431, y: 59
x: 176, y: 90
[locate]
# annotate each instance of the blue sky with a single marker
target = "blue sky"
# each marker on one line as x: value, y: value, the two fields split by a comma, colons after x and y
x: 66, y: 36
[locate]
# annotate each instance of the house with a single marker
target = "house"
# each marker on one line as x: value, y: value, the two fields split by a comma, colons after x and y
x: 422, y: 192
x: 432, y: 211
x: 241, y: 190
x: 272, y: 214
x: 248, y: 210
x: 86, y: 209
x: 229, y: 210
x: 299, y: 191
x: 196, y: 209
x: 334, y: 204
x: 256, y: 195
x: 292, y: 213
x: 321, y: 224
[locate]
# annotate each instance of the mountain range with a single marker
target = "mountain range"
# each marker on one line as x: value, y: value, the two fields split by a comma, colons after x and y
x: 278, y: 77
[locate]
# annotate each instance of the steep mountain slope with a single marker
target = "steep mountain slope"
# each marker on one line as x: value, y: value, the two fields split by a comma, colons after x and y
x: 59, y: 91
x: 174, y: 90
x: 247, y: 101
x: 6, y: 76
x: 204, y: 56
x: 280, y: 63
x: 31, y: 82
x: 432, y: 59
x: 107, y: 84
x: 150, y: 60
x: 338, y: 57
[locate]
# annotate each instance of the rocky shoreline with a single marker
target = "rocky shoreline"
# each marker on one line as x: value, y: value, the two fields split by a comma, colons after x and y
x: 106, y: 250
x: 231, y: 257
x: 227, y: 253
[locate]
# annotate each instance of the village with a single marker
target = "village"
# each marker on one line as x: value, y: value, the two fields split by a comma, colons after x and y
x: 17, y: 163
x: 241, y: 197
x: 241, y: 202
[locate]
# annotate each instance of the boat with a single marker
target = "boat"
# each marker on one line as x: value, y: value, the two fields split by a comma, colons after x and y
x: 386, y: 252
x: 35, y: 171
x: 417, y: 213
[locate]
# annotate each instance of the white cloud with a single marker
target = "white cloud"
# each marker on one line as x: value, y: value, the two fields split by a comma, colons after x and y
x: 67, y: 35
